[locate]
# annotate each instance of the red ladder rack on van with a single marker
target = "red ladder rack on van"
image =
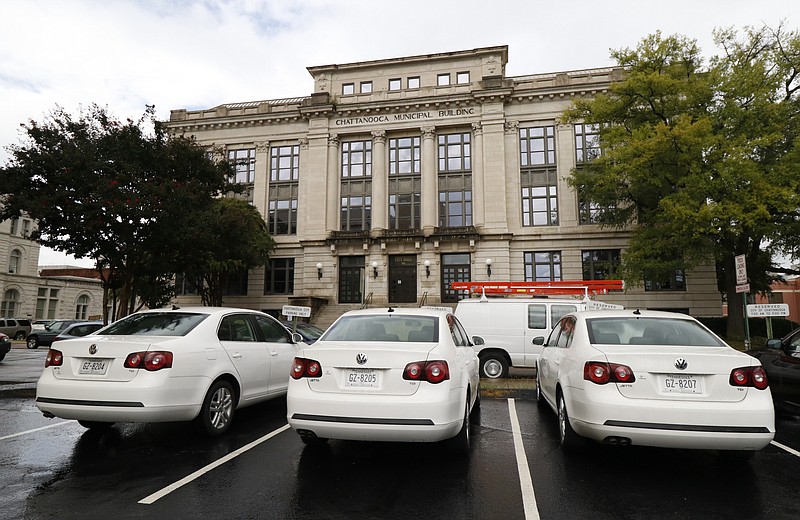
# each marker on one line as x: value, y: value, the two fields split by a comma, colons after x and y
x: 569, y: 287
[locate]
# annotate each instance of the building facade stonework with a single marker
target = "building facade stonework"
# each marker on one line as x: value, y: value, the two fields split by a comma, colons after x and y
x: 396, y: 177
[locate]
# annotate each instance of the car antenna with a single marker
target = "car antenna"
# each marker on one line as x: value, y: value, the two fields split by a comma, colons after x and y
x: 390, y: 309
x: 175, y: 307
x: 637, y: 312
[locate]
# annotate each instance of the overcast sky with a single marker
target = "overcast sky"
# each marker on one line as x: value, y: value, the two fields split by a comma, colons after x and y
x: 126, y: 54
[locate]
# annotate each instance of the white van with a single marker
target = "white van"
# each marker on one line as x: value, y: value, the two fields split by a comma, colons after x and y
x: 508, y: 326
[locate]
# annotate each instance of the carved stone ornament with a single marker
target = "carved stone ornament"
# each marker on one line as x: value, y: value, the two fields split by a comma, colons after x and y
x: 333, y: 140
x: 262, y: 146
x: 428, y: 132
x: 379, y: 136
x: 512, y: 127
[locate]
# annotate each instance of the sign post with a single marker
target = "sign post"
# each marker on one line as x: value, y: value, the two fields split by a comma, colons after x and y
x: 743, y: 287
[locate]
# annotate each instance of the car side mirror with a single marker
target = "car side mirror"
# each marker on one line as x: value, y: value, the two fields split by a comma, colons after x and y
x: 538, y: 340
x: 478, y: 341
x: 297, y: 338
x: 774, y: 343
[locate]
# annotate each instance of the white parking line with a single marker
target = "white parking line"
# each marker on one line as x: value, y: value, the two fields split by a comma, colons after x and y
x: 528, y: 496
x: 786, y: 448
x: 202, y: 471
x: 35, y: 430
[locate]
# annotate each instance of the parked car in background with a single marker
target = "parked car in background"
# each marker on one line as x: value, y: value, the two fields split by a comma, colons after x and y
x: 193, y: 364
x: 407, y: 375
x: 653, y: 379
x: 17, y: 328
x: 44, y: 338
x: 310, y: 333
x: 5, y: 345
x: 39, y: 324
x: 78, y: 330
x: 781, y: 360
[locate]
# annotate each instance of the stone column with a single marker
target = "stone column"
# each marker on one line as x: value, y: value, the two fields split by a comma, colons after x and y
x: 261, y: 178
x: 430, y: 188
x: 333, y: 176
x: 478, y: 187
x: 379, y: 181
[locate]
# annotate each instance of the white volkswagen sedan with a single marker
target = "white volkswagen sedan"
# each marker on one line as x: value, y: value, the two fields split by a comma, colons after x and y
x: 653, y: 379
x: 407, y: 375
x: 197, y: 363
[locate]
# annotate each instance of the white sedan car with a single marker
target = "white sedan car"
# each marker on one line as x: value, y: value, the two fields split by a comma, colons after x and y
x: 407, y: 375
x: 197, y: 363
x: 653, y: 379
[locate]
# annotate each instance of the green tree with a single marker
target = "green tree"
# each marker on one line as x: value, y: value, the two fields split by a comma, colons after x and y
x: 699, y: 162
x: 236, y: 240
x: 120, y: 193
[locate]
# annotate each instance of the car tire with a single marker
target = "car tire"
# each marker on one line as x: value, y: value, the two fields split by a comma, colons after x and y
x: 568, y: 439
x: 32, y: 342
x: 96, y: 425
x: 461, y: 442
x: 475, y: 414
x: 540, y: 400
x: 19, y: 336
x: 493, y: 366
x: 2, y: 357
x: 217, y: 411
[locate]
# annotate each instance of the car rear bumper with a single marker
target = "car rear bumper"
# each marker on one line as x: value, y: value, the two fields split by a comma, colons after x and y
x: 605, y: 417
x: 423, y: 417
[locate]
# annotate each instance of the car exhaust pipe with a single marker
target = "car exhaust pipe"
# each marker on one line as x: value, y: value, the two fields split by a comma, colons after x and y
x: 49, y: 415
x: 617, y: 441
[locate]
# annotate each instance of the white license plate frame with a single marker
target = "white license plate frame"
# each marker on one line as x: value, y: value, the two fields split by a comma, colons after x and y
x: 690, y: 384
x: 362, y: 378
x: 93, y: 367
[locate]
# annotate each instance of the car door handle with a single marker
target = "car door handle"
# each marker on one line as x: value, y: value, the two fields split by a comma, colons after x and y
x: 236, y: 355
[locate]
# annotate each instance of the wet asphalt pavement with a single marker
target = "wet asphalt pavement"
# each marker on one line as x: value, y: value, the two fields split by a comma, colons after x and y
x: 51, y: 468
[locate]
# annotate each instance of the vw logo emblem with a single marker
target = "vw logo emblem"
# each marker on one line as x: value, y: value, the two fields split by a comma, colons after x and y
x: 361, y: 358
x: 681, y: 364
x: 93, y: 349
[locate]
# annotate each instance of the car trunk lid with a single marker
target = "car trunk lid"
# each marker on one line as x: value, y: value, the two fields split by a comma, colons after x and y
x: 88, y: 359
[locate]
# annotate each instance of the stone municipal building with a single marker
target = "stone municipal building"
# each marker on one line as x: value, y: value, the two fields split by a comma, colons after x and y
x: 395, y: 177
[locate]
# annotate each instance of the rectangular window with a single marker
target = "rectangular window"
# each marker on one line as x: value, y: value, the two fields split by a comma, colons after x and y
x: 677, y: 282
x: 356, y: 213
x: 405, y: 185
x: 279, y: 276
x: 589, y: 212
x: 394, y: 84
x: 600, y: 264
x: 284, y: 163
x: 46, y: 303
x: 455, y: 180
x: 236, y: 284
x: 443, y: 80
x: 462, y: 78
x: 14, y: 226
x: 539, y: 198
x: 356, y: 159
x: 405, y: 155
x: 183, y: 286
x: 244, y: 162
x: 537, y: 146
x: 283, y: 189
x: 413, y: 82
x: 366, y: 87
x: 544, y: 266
x: 587, y: 142
x: 348, y: 89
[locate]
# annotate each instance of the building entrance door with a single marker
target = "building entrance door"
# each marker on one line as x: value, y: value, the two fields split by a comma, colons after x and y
x: 351, y: 279
x: 403, y: 279
x: 455, y: 268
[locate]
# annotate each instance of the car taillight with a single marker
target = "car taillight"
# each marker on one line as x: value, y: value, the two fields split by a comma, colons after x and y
x: 54, y: 358
x: 150, y: 361
x: 749, y: 376
x: 302, y: 367
x: 430, y: 371
x: 600, y: 373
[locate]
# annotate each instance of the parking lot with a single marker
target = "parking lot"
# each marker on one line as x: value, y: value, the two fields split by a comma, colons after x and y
x: 261, y: 469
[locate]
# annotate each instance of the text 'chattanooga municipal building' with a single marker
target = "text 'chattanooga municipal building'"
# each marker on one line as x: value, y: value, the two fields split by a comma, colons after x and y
x: 396, y: 177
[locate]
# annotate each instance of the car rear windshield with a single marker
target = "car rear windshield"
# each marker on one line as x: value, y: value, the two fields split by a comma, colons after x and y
x: 650, y: 331
x: 384, y: 328
x: 156, y: 324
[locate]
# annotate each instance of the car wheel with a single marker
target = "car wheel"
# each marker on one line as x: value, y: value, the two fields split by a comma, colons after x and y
x: 540, y: 401
x: 2, y: 357
x: 33, y: 342
x: 216, y: 413
x: 461, y: 442
x: 568, y: 439
x: 475, y: 414
x: 493, y: 366
x: 96, y: 425
x: 19, y: 336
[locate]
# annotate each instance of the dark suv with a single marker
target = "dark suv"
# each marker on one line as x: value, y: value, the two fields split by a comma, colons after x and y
x: 17, y: 328
x: 44, y: 338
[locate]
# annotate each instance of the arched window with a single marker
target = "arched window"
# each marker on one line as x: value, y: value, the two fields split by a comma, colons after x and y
x: 82, y: 307
x: 9, y: 305
x: 14, y: 261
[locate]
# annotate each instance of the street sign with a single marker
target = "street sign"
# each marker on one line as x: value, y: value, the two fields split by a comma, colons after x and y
x: 602, y: 306
x: 741, y: 270
x: 768, y: 310
x: 743, y: 288
x: 295, y: 310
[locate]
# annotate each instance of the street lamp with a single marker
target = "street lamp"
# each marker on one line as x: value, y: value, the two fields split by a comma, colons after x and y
x: 489, y: 267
